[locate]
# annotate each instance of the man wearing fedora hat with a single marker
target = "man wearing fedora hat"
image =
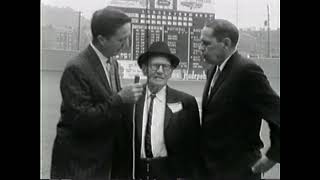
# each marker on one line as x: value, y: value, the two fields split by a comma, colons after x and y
x: 167, y: 121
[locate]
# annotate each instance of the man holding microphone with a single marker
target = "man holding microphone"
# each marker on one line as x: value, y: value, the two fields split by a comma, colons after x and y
x: 93, y: 138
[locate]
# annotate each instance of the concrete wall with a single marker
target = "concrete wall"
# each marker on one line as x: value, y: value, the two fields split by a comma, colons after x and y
x: 271, y: 66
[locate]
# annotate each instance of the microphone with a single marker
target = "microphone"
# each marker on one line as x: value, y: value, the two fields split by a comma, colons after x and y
x: 136, y: 80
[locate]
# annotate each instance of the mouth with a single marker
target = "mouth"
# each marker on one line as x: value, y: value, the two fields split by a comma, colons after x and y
x: 203, y: 57
x: 158, y: 78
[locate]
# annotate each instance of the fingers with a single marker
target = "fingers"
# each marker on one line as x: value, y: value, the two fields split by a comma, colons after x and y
x: 137, y: 92
x: 132, y: 92
x: 136, y: 95
x: 262, y: 165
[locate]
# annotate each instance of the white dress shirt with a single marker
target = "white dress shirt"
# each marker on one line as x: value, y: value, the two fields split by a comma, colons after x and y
x: 103, y: 61
x: 157, y: 125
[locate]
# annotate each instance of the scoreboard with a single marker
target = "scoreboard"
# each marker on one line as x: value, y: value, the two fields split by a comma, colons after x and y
x: 176, y: 22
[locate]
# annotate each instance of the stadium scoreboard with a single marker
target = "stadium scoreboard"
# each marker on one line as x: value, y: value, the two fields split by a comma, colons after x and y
x: 176, y: 22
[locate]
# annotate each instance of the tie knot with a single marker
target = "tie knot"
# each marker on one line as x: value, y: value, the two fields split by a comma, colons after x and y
x: 152, y: 95
x: 108, y: 61
x: 218, y: 69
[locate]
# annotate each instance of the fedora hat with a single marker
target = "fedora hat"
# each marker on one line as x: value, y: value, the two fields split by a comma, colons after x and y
x: 158, y: 49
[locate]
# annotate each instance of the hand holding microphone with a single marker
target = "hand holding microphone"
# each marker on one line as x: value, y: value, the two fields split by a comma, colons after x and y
x: 131, y: 93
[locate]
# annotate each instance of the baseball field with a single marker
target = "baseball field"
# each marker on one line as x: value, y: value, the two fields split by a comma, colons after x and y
x: 50, y: 107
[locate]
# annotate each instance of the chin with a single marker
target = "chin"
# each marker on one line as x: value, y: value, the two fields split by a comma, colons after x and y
x: 158, y: 82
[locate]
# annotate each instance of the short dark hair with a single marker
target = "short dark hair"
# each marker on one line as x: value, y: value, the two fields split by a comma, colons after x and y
x: 224, y: 29
x: 107, y: 21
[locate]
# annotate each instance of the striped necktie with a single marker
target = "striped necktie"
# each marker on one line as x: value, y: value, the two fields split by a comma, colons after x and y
x: 147, y: 139
x: 112, y: 75
x: 214, y: 79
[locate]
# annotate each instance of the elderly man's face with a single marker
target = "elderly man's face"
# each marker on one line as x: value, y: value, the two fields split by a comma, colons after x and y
x: 158, y: 71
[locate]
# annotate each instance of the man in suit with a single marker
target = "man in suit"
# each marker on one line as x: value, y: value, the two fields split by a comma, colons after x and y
x: 167, y: 121
x: 237, y: 96
x: 93, y: 133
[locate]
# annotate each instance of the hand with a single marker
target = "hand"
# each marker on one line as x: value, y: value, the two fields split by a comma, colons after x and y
x: 131, y: 93
x: 263, y: 165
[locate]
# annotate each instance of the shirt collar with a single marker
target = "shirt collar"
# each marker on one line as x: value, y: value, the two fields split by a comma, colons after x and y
x: 160, y: 95
x: 102, y: 58
x: 223, y: 64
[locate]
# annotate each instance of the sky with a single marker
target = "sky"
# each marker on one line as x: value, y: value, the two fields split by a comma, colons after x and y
x: 251, y: 13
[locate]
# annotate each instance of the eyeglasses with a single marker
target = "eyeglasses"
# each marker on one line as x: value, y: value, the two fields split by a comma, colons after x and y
x: 165, y: 67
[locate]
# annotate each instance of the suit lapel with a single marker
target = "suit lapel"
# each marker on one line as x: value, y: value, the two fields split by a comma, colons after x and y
x: 94, y: 60
x: 221, y: 79
x: 207, y: 86
x: 170, y: 98
x: 139, y: 117
x: 116, y: 69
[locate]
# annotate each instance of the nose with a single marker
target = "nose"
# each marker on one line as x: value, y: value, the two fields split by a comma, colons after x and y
x: 125, y: 44
x: 160, y: 69
x: 202, y: 48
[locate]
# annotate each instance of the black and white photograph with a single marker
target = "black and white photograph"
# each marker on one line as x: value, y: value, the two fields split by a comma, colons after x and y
x: 160, y: 89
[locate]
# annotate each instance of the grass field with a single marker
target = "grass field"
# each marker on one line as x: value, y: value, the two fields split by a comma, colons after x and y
x: 50, y: 107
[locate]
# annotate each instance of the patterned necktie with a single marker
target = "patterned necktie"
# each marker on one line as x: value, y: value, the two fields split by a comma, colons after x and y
x: 147, y: 138
x: 214, y: 79
x: 112, y: 76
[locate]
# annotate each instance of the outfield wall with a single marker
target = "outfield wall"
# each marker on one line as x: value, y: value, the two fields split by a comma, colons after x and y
x: 55, y: 60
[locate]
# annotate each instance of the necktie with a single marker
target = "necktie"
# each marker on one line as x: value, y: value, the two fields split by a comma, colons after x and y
x: 214, y: 79
x: 112, y: 76
x: 147, y: 138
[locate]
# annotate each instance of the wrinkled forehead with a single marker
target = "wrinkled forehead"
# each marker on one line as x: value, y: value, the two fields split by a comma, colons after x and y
x: 158, y: 59
x: 206, y: 33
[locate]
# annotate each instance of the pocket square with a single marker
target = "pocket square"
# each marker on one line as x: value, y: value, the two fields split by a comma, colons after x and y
x: 175, y: 107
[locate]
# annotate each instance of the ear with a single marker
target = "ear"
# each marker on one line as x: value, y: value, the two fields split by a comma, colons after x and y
x: 101, y: 39
x: 144, y: 69
x: 170, y: 74
x: 227, y: 42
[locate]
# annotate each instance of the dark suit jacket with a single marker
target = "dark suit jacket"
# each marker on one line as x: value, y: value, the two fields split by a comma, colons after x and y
x: 232, y: 116
x: 181, y: 132
x: 93, y: 133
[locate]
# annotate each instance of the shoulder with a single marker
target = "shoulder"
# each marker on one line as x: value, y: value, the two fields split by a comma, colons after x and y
x: 244, y: 66
x: 78, y: 67
x: 248, y: 64
x: 181, y: 95
x: 79, y: 62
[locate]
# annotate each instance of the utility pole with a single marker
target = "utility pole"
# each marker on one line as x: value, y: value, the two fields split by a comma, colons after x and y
x: 268, y: 31
x: 79, y: 30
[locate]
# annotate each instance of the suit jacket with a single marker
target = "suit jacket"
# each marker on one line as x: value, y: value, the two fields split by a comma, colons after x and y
x: 232, y: 116
x: 181, y: 132
x: 93, y: 133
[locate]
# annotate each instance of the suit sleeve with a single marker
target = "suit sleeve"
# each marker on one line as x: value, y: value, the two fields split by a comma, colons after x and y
x: 264, y: 101
x: 194, y: 134
x: 86, y: 113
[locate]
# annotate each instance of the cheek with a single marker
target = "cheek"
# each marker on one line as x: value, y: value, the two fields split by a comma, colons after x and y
x: 145, y: 70
x: 214, y: 52
x: 168, y: 76
x: 210, y: 52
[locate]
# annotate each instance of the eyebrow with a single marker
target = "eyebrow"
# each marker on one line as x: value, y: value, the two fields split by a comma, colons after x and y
x: 159, y: 64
